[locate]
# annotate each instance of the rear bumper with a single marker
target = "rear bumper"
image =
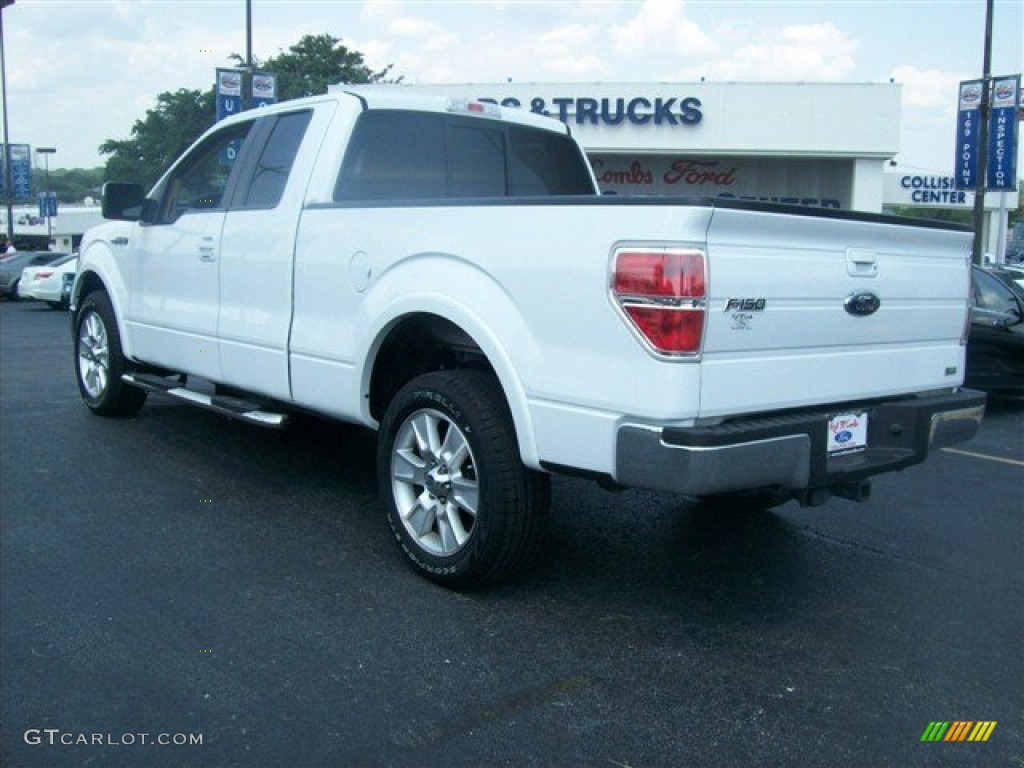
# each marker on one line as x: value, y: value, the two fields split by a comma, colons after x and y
x: 790, y: 450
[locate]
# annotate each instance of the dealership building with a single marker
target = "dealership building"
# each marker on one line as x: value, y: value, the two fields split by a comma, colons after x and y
x: 814, y: 144
x: 817, y: 144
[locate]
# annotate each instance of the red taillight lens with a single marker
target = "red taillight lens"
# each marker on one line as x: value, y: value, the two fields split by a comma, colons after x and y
x: 662, y: 294
x: 670, y: 331
x: 43, y: 275
x: 673, y: 274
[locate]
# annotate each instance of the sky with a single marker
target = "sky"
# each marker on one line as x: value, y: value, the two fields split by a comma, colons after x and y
x: 80, y: 72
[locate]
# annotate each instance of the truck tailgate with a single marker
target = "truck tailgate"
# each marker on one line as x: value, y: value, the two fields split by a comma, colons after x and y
x: 807, y: 309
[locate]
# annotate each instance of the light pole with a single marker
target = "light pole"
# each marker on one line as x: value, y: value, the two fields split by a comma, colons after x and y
x: 46, y: 152
x: 978, y: 217
x: 8, y: 181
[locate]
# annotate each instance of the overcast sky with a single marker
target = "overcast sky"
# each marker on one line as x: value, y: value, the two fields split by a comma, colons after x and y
x: 82, y: 71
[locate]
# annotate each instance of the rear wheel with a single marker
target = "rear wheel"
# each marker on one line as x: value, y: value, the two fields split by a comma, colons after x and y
x: 463, y: 507
x: 99, y: 361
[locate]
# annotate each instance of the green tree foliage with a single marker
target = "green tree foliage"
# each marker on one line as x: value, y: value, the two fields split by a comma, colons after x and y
x: 315, y: 62
x: 307, y: 68
x: 71, y: 185
x: 158, y: 138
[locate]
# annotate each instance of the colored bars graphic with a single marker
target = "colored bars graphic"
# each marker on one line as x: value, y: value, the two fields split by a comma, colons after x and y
x: 959, y: 730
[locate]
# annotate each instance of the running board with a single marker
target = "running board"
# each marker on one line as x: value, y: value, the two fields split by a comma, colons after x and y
x: 249, y: 411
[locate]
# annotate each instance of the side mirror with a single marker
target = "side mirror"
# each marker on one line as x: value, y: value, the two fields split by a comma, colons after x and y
x: 123, y: 201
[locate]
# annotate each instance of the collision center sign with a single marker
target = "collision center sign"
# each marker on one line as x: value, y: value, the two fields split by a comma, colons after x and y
x: 925, y: 191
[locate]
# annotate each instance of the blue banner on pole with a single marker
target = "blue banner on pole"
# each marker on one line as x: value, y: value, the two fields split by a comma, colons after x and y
x: 264, y: 89
x: 968, y: 127
x: 228, y: 95
x: 1001, y: 172
x: 47, y: 205
x: 21, y: 171
x: 229, y: 92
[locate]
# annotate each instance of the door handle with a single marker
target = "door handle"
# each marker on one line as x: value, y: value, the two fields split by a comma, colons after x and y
x: 207, y: 252
x: 861, y: 262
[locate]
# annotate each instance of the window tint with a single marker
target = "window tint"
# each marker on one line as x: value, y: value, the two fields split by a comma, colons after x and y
x: 393, y: 156
x: 476, y: 161
x: 990, y: 294
x: 412, y: 155
x: 199, y: 181
x: 545, y: 163
x: 275, y: 162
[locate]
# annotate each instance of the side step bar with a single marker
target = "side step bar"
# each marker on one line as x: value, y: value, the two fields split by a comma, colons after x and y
x: 249, y: 411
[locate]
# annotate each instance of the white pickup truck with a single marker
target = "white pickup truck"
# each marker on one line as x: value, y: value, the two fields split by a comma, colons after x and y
x: 445, y: 272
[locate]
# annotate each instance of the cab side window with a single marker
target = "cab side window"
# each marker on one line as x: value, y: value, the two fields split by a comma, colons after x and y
x: 198, y: 182
x: 991, y: 295
x: 269, y: 177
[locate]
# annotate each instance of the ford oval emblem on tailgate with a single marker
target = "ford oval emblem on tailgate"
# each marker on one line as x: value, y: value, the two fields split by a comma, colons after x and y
x: 862, y: 304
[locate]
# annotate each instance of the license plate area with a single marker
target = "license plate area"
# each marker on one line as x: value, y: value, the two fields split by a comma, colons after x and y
x: 847, y: 433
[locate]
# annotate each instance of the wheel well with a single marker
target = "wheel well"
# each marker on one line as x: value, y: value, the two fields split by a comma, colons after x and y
x: 90, y: 282
x: 419, y: 344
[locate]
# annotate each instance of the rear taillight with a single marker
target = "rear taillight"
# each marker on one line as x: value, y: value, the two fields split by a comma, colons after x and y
x: 43, y: 275
x: 662, y: 295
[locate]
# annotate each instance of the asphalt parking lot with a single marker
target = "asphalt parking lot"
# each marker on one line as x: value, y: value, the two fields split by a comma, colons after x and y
x: 176, y: 575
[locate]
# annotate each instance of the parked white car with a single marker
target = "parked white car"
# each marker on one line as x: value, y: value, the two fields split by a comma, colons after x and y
x: 47, y: 282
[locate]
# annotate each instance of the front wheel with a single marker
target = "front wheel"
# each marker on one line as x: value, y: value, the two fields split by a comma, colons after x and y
x: 463, y: 507
x: 99, y: 361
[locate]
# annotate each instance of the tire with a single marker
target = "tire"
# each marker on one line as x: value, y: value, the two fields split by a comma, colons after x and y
x: 99, y: 361
x: 465, y: 510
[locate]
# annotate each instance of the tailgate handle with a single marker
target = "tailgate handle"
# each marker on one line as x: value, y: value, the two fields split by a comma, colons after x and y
x: 861, y: 262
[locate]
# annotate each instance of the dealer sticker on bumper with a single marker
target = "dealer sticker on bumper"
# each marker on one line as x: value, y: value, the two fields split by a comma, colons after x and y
x: 847, y: 433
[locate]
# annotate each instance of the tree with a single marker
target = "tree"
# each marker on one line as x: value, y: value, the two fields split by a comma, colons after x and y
x: 162, y: 135
x: 314, y: 63
x: 71, y: 185
x: 307, y: 68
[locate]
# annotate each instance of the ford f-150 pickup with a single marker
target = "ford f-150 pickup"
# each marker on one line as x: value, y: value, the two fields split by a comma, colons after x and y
x: 446, y: 273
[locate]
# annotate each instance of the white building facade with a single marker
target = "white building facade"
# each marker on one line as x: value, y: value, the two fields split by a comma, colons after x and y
x: 797, y: 143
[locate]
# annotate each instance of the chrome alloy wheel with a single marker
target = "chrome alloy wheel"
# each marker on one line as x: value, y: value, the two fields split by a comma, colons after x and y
x: 434, y: 482
x: 93, y: 355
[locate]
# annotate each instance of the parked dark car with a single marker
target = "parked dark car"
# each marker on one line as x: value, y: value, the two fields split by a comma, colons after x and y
x: 995, y: 347
x: 12, y: 264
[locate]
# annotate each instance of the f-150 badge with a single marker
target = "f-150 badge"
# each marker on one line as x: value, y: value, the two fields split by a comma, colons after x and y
x: 742, y: 309
x: 745, y: 305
